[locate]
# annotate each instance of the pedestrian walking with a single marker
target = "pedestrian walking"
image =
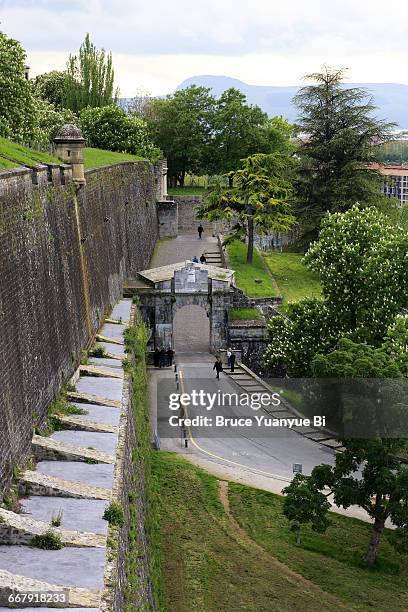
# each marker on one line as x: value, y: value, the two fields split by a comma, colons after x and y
x: 218, y: 366
x: 156, y: 357
x: 200, y: 230
x: 170, y: 355
x: 229, y: 353
x: 195, y: 259
x: 162, y: 358
x: 203, y: 259
x: 232, y: 361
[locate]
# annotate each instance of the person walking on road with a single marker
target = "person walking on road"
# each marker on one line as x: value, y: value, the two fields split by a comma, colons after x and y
x: 195, y: 260
x: 162, y: 358
x: 218, y: 366
x: 232, y: 362
x: 203, y: 259
x: 200, y: 230
x: 229, y: 353
x: 170, y: 355
x: 156, y: 357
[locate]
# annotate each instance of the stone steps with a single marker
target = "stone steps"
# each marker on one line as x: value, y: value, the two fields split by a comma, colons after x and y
x: 251, y: 383
x: 12, y: 584
x: 78, y: 569
x: 17, y: 529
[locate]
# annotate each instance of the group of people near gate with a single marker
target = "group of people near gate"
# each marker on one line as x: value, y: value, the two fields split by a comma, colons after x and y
x: 231, y: 357
x: 163, y: 358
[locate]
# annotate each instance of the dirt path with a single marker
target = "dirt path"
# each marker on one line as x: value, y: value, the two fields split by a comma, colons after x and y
x: 244, y: 539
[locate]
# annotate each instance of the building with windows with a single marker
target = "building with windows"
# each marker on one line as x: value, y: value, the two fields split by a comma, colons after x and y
x: 395, y: 181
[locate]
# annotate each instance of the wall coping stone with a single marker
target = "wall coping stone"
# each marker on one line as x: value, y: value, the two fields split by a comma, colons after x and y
x: 49, y: 449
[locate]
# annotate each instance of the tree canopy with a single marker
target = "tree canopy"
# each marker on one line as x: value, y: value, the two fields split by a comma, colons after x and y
x: 17, y: 105
x: 181, y: 126
x: 361, y: 261
x: 340, y: 135
x: 90, y: 81
x: 259, y: 197
x: 51, y: 87
x: 109, y: 127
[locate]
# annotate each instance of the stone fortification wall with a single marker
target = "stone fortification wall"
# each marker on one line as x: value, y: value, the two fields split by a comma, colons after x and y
x: 64, y: 256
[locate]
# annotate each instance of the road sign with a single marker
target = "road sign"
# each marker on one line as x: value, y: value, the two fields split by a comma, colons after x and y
x: 297, y: 468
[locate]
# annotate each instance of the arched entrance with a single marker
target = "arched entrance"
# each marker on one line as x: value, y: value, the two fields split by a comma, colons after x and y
x: 191, y: 330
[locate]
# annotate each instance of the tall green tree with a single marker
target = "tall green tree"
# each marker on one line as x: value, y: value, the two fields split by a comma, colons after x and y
x: 367, y: 473
x: 17, y: 105
x: 361, y: 261
x: 181, y: 126
x: 51, y: 87
x: 259, y: 197
x: 340, y: 135
x: 239, y: 131
x: 90, y: 81
x: 109, y: 127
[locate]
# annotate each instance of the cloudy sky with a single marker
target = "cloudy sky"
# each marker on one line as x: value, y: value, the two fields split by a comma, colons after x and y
x: 157, y: 44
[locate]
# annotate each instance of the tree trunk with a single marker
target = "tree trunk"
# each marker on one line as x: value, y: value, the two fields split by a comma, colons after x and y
x: 250, y: 251
x: 371, y: 555
x: 230, y: 181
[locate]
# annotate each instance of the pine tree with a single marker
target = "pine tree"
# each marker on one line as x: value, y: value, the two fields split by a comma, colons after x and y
x: 340, y: 136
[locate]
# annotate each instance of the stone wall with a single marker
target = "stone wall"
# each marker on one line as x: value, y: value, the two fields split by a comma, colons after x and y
x: 64, y: 257
x: 167, y: 216
x: 188, y: 206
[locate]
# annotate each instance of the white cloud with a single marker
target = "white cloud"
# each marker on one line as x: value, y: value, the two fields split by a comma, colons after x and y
x: 158, y: 44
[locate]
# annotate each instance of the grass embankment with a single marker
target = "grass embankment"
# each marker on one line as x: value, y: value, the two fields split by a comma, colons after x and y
x: 96, y: 158
x: 294, y: 280
x: 188, y: 190
x: 204, y: 566
x: 13, y: 155
x: 207, y: 566
x: 246, y: 274
x: 142, y: 505
x: 244, y: 314
x: 333, y: 559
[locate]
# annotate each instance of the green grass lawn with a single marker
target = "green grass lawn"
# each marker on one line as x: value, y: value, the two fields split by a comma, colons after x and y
x: 294, y: 280
x: 13, y: 155
x: 245, y: 274
x: 187, y: 190
x: 203, y: 567
x: 333, y: 559
x: 244, y: 314
x: 95, y: 158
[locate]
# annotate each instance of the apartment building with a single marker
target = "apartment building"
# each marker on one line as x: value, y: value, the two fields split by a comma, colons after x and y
x: 395, y: 181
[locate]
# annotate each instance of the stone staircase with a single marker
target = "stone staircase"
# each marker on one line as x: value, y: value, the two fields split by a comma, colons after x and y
x: 251, y: 383
x: 213, y: 257
x: 72, y: 480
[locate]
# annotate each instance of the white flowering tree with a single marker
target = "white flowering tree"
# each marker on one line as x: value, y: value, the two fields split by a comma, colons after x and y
x: 362, y: 261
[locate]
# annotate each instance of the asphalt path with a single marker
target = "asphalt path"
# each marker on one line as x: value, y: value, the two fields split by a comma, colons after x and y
x: 239, y: 447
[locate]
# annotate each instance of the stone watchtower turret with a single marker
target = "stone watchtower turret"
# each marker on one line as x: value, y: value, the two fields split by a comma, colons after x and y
x: 70, y: 148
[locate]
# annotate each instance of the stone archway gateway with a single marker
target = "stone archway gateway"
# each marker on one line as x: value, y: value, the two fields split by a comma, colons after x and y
x: 164, y: 291
x: 191, y: 329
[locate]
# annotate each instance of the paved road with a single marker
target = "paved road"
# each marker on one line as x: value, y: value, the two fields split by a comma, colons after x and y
x: 238, y: 448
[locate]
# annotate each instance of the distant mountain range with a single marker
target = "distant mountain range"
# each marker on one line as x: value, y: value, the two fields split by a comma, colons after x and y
x: 390, y: 98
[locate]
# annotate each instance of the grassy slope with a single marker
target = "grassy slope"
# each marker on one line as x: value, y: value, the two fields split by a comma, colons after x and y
x: 294, y: 280
x: 244, y: 314
x: 205, y: 568
x: 246, y: 274
x: 13, y: 155
x: 188, y: 190
x: 333, y: 559
x: 95, y: 158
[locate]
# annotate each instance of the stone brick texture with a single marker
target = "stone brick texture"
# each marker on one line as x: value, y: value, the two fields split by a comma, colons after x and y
x: 64, y: 256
